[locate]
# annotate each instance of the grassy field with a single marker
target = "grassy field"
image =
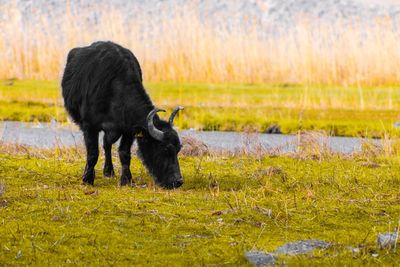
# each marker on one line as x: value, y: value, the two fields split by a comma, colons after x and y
x: 339, y: 111
x: 227, y: 206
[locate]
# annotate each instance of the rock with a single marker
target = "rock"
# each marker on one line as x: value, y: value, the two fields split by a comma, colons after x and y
x: 354, y: 250
x: 387, y: 240
x: 2, y: 188
x: 273, y: 129
x: 302, y: 247
x: 260, y: 258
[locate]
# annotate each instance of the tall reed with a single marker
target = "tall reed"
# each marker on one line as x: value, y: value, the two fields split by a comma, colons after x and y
x: 184, y: 47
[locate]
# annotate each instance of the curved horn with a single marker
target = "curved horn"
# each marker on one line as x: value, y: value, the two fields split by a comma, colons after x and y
x: 153, y: 131
x: 173, y: 114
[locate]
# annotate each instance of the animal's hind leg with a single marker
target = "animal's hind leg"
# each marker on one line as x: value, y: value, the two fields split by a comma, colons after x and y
x: 124, y: 152
x: 109, y: 139
x: 92, y: 154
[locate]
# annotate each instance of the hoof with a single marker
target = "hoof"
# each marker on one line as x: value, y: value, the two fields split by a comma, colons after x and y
x: 126, y: 183
x: 85, y: 182
x: 88, y: 178
x: 108, y: 172
x: 126, y: 180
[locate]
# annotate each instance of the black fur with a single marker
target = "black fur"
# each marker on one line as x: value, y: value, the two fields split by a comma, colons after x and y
x: 103, y: 91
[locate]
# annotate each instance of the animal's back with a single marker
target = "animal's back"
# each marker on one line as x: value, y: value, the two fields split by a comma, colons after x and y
x: 88, y: 77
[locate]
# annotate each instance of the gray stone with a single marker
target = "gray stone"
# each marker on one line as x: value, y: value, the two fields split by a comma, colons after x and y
x: 387, y: 240
x: 355, y: 250
x: 273, y: 129
x: 302, y: 247
x: 2, y: 188
x: 260, y: 258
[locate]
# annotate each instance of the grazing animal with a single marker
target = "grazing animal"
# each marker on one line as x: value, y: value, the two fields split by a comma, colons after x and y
x: 103, y: 91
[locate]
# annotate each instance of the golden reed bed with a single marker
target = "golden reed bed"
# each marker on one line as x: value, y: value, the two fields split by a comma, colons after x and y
x: 187, y: 49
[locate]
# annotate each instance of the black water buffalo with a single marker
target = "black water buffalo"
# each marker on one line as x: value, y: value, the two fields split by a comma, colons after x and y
x: 103, y: 91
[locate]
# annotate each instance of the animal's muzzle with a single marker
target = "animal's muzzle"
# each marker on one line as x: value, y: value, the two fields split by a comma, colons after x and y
x: 176, y: 183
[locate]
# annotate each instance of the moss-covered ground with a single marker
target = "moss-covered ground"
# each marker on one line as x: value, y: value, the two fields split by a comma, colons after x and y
x: 350, y: 111
x: 227, y: 206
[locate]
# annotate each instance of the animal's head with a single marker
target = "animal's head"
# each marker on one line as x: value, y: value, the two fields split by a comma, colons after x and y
x: 159, y: 150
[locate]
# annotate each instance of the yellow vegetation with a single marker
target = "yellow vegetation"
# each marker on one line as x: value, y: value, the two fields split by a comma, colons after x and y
x: 185, y: 48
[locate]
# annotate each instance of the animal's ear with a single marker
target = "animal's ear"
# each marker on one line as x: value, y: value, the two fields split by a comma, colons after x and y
x: 139, y: 135
x: 173, y: 114
x: 139, y: 131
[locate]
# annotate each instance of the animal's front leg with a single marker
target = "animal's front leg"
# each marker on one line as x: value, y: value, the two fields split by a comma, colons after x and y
x: 125, y: 158
x: 109, y: 138
x: 92, y: 154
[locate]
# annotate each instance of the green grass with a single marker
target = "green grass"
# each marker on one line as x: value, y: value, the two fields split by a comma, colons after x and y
x: 339, y: 111
x: 48, y: 218
x: 227, y: 205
